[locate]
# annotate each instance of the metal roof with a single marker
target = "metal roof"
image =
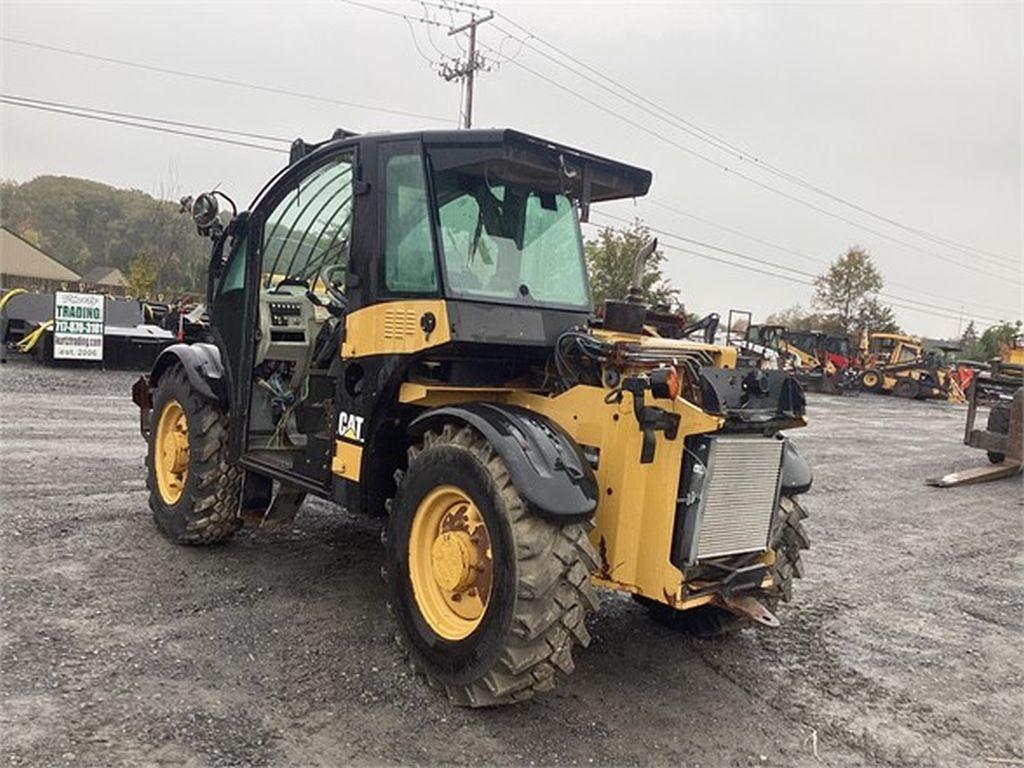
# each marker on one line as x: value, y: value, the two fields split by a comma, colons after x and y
x: 104, y: 275
x: 19, y: 258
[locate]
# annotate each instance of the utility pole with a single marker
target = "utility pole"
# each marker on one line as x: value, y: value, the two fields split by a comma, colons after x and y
x: 465, y: 70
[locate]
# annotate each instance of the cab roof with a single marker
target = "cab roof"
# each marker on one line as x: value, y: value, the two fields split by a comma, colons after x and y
x: 515, y: 156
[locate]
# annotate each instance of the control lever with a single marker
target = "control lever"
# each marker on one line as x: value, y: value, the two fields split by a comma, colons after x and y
x: 333, y: 309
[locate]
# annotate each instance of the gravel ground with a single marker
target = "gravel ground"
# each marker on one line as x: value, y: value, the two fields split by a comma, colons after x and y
x: 902, y: 646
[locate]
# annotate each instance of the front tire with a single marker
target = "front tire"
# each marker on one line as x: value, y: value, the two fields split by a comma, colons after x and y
x: 194, y: 490
x: 489, y: 597
x: 871, y: 380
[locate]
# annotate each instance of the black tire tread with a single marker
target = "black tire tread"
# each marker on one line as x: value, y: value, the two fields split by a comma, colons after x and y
x: 554, y: 592
x: 211, y: 515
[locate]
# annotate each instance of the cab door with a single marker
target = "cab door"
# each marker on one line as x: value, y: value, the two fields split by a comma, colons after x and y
x: 302, y: 243
x: 231, y: 298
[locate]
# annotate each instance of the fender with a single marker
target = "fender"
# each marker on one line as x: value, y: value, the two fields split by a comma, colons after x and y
x: 202, y: 365
x: 547, y: 467
x: 797, y: 476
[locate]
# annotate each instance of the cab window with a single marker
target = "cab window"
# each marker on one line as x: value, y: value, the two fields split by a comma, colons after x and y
x: 311, y: 226
x: 409, y: 265
x: 907, y: 354
x: 506, y: 242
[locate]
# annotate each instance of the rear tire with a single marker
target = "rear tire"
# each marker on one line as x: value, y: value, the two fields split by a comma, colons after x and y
x: 788, y: 539
x: 200, y: 504
x: 907, y: 388
x: 999, y: 422
x: 537, y: 595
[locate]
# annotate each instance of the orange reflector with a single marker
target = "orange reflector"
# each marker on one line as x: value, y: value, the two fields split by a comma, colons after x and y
x: 665, y: 383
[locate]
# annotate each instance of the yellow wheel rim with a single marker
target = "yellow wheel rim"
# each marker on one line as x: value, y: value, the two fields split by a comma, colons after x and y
x: 170, y: 452
x: 870, y: 379
x: 451, y: 564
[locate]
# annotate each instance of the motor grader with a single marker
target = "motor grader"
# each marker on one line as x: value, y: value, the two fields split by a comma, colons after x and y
x: 402, y: 324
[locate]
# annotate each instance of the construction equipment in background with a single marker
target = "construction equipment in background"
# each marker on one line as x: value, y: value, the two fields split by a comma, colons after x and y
x: 1001, y: 387
x: 821, y: 362
x: 897, y: 364
x: 402, y: 324
x: 755, y: 344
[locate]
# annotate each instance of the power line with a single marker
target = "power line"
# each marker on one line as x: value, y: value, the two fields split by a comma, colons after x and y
x: 145, y: 118
x: 14, y: 102
x: 715, y: 163
x: 804, y: 274
x: 784, y: 249
x: 460, y: 69
x: 690, y: 127
x: 134, y: 121
x: 747, y: 257
x: 723, y: 145
x: 224, y: 80
x: 389, y: 12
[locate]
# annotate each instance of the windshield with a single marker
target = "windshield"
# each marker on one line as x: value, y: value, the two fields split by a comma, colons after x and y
x: 881, y: 344
x: 504, y: 242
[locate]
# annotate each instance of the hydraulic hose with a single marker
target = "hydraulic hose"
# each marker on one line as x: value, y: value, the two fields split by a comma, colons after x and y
x: 28, y: 343
x: 10, y: 295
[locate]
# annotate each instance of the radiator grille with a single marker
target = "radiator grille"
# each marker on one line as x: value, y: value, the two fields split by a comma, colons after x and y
x: 739, y: 495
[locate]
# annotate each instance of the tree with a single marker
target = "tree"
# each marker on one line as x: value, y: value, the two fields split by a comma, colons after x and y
x: 85, y: 224
x: 142, y: 277
x: 968, y: 340
x: 796, y: 318
x: 876, y: 317
x: 846, y: 294
x: 610, y: 259
x: 994, y: 339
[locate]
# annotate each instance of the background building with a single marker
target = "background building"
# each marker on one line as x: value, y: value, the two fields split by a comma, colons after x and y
x: 22, y: 265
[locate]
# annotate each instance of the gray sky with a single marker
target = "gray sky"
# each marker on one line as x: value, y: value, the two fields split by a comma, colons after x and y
x: 910, y: 110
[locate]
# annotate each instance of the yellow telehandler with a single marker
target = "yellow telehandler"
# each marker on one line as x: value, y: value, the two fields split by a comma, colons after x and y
x: 402, y: 324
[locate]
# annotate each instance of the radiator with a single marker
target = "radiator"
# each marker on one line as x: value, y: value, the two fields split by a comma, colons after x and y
x: 739, y: 495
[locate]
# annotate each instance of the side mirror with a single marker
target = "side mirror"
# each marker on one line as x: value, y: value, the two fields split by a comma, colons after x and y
x: 205, y: 210
x: 205, y: 213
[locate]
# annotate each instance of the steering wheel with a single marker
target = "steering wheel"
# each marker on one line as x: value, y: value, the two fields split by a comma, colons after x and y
x: 327, y: 276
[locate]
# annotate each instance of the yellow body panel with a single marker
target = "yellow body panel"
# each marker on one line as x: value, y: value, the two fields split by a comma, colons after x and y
x: 394, y: 328
x: 433, y: 396
x: 1012, y: 354
x: 636, y: 509
x: 348, y: 460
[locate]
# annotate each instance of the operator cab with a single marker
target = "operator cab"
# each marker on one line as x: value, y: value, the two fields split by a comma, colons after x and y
x: 475, y: 233
x: 894, y: 349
